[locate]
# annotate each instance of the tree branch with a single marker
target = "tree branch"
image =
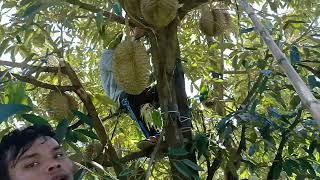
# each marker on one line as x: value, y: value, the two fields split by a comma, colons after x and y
x: 130, y: 157
x: 312, y: 104
x: 284, y: 138
x: 42, y: 84
x: 38, y: 68
x: 91, y: 8
x: 92, y: 112
x: 215, y: 165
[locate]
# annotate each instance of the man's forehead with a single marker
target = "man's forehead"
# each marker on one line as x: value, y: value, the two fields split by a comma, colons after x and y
x: 42, y: 143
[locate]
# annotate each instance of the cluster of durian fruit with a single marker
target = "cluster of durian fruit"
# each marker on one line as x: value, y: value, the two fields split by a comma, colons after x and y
x: 158, y: 13
x: 214, y: 21
x: 131, y: 64
x: 59, y: 105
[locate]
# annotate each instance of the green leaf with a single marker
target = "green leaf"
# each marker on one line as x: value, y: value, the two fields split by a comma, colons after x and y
x: 8, y: 110
x: 202, y: 144
x: 177, y: 152
x: 313, y: 82
x: 277, y: 96
x: 31, y: 10
x: 294, y: 55
x: 99, y: 20
x: 274, y: 113
x: 311, y: 123
x: 277, y: 171
x: 294, y: 101
x: 289, y: 166
x: 156, y: 116
x: 9, y: 4
x: 226, y: 46
x: 74, y: 147
x: 36, y: 120
x: 18, y: 38
x: 254, y: 106
x: 88, y: 133
x: 183, y: 169
x: 62, y: 130
x: 4, y: 45
x: 25, y: 2
x: 117, y: 8
x: 263, y: 85
x: 126, y: 172
x: 38, y: 39
x: 112, y: 45
x: 82, y: 117
x: 312, y: 147
x: 79, y: 174
x: 246, y: 30
x: 80, y: 137
x: 252, y: 149
x: 305, y: 164
x: 16, y: 93
x: 204, y: 90
x: 72, y: 137
x: 192, y: 165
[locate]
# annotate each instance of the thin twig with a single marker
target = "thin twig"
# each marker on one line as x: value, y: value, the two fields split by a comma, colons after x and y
x: 153, y: 154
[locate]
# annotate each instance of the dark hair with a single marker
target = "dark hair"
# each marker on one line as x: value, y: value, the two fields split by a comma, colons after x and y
x: 17, y: 142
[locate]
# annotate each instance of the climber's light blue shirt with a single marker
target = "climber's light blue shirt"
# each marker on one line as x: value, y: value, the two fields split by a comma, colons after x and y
x: 108, y: 81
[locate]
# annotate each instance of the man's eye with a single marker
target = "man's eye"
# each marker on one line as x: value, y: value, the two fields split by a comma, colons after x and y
x: 59, y: 155
x: 31, y: 165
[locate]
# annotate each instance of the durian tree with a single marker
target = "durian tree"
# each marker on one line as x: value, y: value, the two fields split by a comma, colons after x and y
x: 251, y: 118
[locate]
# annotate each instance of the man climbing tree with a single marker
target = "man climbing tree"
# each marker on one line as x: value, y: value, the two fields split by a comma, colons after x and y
x: 131, y: 103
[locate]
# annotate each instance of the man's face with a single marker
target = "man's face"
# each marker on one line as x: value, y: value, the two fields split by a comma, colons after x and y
x: 45, y: 160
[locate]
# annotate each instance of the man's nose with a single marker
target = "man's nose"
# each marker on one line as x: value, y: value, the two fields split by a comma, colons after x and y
x: 53, y: 166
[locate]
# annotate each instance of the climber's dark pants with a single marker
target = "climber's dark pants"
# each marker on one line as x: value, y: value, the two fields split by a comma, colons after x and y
x: 133, y: 104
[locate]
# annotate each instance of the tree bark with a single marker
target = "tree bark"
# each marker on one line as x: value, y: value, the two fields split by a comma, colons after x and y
x: 164, y: 50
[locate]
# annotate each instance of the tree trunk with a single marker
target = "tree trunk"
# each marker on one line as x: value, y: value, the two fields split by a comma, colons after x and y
x: 164, y: 50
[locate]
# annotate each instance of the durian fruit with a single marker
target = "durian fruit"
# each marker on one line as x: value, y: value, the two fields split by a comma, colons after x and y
x: 93, y: 152
x: 133, y: 8
x: 159, y: 13
x: 131, y: 66
x: 59, y: 105
x: 214, y: 22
